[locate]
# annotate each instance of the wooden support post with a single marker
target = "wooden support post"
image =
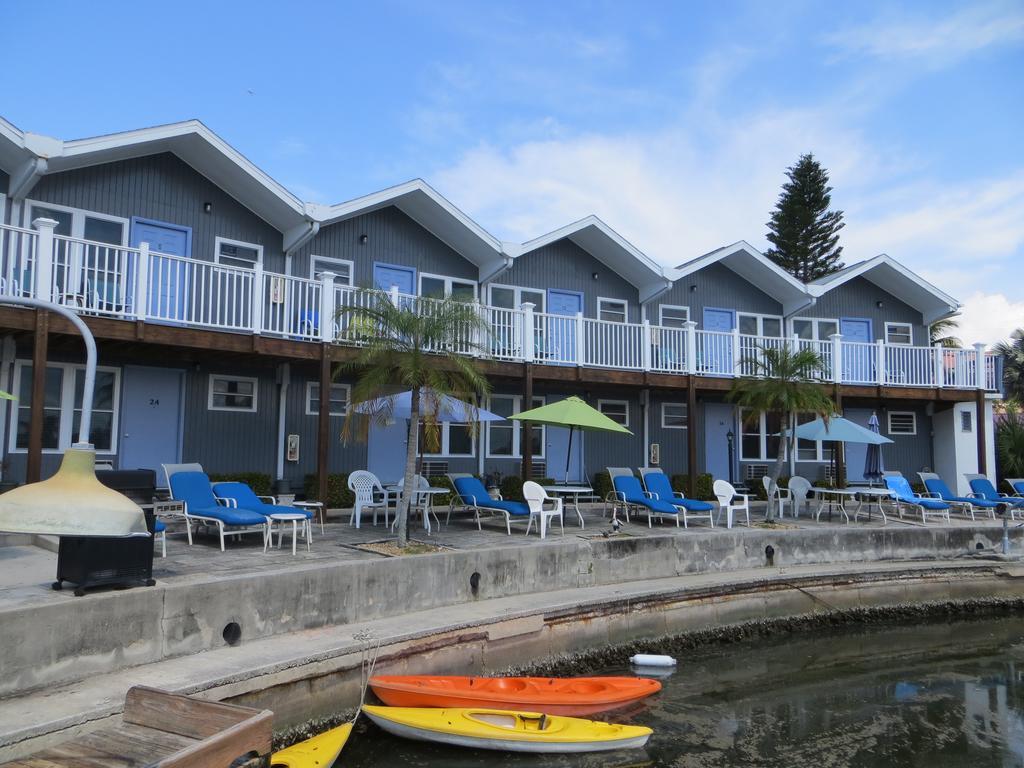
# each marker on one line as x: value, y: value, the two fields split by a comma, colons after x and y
x: 691, y: 438
x: 840, y: 479
x: 323, y: 425
x: 34, y: 466
x: 526, y: 438
x: 982, y: 431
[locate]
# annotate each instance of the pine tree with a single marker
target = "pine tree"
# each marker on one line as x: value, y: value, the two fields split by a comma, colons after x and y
x: 803, y: 230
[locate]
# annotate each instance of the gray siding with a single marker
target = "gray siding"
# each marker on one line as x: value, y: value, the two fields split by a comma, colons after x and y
x: 5, y: 181
x: 164, y: 188
x: 603, y: 450
x: 859, y: 298
x: 392, y: 238
x: 715, y: 286
x: 564, y: 265
x: 672, y: 441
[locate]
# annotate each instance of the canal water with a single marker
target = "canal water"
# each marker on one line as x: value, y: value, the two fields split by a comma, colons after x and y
x: 934, y: 694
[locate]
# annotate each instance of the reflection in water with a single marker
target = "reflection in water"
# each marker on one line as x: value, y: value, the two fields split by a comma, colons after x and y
x: 949, y: 694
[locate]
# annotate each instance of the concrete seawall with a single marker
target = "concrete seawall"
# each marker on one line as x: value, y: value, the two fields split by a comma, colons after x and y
x: 52, y: 638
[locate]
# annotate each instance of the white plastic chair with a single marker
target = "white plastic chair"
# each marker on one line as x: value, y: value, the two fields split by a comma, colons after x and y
x: 726, y: 495
x: 369, y: 494
x: 799, y: 487
x: 536, y: 497
x: 421, y: 502
x: 782, y: 495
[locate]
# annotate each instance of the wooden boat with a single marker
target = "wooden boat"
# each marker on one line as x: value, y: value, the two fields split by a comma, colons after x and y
x: 574, y: 696
x: 318, y: 752
x: 506, y: 731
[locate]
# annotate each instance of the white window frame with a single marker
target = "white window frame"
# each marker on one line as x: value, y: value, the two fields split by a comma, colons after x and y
x: 815, y: 327
x: 517, y: 429
x: 67, y: 407
x: 313, y: 259
x: 661, y: 313
x: 901, y: 433
x: 625, y: 403
x: 893, y: 326
x: 309, y: 398
x: 967, y: 421
x: 518, y: 295
x: 448, y: 282
x: 78, y: 216
x: 255, y: 393
x: 762, y: 428
x: 446, y: 448
x: 760, y: 323
x: 673, y: 426
x: 219, y: 241
x: 607, y: 300
x: 822, y: 454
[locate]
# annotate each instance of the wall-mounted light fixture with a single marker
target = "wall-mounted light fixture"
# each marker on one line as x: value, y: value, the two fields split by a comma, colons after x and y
x: 879, y: 304
x: 207, y: 207
x: 594, y: 275
x: 363, y: 239
x: 693, y: 288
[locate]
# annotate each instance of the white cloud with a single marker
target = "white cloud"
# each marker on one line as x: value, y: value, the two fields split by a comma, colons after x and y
x: 989, y: 318
x: 939, y: 41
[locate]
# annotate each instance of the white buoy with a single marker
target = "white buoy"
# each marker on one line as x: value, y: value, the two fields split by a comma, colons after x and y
x: 652, y: 660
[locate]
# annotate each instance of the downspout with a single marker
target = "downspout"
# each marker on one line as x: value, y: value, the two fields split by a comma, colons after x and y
x: 786, y: 317
x: 6, y: 370
x: 284, y: 373
x: 645, y: 403
x: 503, y: 266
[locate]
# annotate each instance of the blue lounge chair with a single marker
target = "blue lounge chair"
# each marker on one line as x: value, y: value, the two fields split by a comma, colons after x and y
x: 1016, y: 485
x: 246, y: 498
x: 905, y: 496
x: 982, y: 488
x: 938, y: 489
x: 475, y: 497
x: 630, y: 495
x: 193, y: 490
x: 657, y: 484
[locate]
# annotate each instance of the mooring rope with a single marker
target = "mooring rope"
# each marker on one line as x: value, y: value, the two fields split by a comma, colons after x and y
x: 366, y: 667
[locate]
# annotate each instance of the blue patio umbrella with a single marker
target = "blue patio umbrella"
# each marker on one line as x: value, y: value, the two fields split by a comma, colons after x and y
x: 839, y: 430
x: 873, y: 467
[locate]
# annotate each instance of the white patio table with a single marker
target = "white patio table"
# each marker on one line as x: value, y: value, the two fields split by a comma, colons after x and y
x: 575, y: 491
x: 836, y: 495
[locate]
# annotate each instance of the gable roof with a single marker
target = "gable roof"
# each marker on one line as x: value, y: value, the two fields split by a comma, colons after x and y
x: 435, y: 213
x: 892, y: 277
x: 611, y: 249
x: 757, y: 269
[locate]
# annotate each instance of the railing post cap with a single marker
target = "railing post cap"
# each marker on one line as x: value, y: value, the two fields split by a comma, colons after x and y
x: 527, y: 306
x: 835, y: 336
x: 328, y: 275
x: 43, y: 222
x: 980, y: 346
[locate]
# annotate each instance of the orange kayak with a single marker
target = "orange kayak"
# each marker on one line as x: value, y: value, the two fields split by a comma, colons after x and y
x: 574, y: 696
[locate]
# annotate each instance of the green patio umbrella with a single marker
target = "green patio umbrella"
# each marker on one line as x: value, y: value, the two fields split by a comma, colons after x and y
x: 574, y: 414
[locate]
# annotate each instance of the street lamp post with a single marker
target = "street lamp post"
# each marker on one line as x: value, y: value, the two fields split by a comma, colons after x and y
x: 730, y: 437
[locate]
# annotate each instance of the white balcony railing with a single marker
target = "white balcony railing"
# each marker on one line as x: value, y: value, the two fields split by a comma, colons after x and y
x: 140, y: 284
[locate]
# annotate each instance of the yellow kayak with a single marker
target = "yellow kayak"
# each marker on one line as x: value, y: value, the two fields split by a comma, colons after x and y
x: 319, y: 752
x: 505, y: 730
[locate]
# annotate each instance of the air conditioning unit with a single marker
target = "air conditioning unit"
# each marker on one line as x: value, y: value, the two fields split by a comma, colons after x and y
x: 435, y: 468
x: 655, y: 455
x: 755, y: 471
x: 538, y: 470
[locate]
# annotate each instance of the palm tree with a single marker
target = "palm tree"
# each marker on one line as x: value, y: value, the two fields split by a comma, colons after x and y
x: 1012, y: 352
x: 783, y: 381
x: 941, y: 331
x: 1010, y: 441
x: 424, y: 349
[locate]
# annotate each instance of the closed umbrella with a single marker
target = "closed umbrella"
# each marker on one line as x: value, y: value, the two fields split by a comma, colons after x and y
x: 873, y: 468
x: 574, y: 414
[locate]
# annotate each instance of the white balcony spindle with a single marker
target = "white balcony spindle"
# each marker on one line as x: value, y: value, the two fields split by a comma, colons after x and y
x: 939, y: 365
x: 258, y: 294
x: 979, y: 367
x: 327, y: 306
x: 526, y: 332
x: 880, y: 362
x: 737, y: 353
x: 837, y: 357
x: 581, y: 339
x: 646, y: 341
x: 43, y: 288
x: 691, y: 346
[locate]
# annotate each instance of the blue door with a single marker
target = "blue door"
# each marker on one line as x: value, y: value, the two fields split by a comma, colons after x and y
x: 858, y: 360
x: 387, y: 275
x: 168, y: 278
x: 714, y: 352
x: 557, y: 341
x: 855, y: 453
x: 385, y: 450
x: 719, y: 419
x: 150, y: 419
x: 556, y: 445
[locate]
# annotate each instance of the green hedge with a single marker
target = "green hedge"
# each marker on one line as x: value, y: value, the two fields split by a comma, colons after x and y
x: 338, y: 494
x: 261, y: 483
x: 511, y: 487
x: 602, y: 485
x: 703, y: 490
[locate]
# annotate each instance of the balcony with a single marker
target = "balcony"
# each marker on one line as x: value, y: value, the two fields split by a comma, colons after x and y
x: 140, y: 284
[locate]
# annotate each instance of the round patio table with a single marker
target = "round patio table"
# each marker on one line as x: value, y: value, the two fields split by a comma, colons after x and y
x: 575, y: 491
x: 427, y: 494
x: 295, y: 518
x: 873, y: 496
x: 317, y: 508
x: 833, y: 495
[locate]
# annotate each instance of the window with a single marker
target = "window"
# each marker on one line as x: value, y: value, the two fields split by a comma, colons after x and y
x: 439, y: 286
x: 672, y: 316
x: 612, y: 310
x: 503, y: 437
x: 512, y: 297
x: 812, y: 329
x: 235, y: 253
x: 452, y: 440
x: 966, y: 424
x: 810, y: 450
x: 759, y: 325
x: 673, y: 416
x: 759, y: 436
x: 73, y: 222
x: 338, y: 403
x: 616, y: 410
x: 341, y: 268
x: 899, y: 333
x: 902, y: 423
x: 62, y: 413
x: 232, y: 393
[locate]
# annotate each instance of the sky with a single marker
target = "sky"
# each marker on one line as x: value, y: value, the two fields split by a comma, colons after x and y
x: 674, y: 122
